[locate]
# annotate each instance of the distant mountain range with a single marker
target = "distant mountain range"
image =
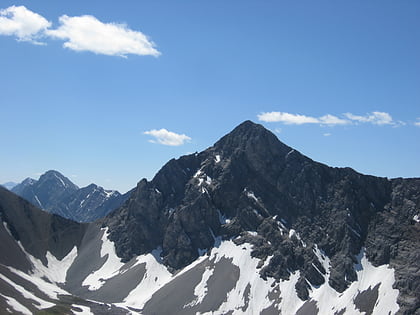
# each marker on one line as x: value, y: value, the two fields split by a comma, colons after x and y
x: 55, y: 193
x: 9, y: 185
x: 248, y: 226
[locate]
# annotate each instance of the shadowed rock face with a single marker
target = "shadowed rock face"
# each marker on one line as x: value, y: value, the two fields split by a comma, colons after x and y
x: 250, y: 181
x: 37, y: 230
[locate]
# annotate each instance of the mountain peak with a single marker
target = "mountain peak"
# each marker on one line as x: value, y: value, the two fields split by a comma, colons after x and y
x: 53, y: 175
x: 252, y: 138
x: 248, y: 128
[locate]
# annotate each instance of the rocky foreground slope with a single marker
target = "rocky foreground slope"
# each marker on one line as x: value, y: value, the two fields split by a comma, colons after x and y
x: 247, y: 226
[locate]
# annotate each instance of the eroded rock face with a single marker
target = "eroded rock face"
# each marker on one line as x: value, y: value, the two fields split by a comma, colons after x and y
x: 250, y: 181
x: 394, y: 236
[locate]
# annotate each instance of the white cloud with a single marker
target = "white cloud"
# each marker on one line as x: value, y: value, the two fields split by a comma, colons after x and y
x: 296, y: 119
x: 417, y: 123
x: 23, y: 23
x: 80, y: 33
x: 287, y: 118
x: 166, y: 137
x: 332, y: 120
x: 87, y: 33
x: 377, y: 118
x: 327, y: 134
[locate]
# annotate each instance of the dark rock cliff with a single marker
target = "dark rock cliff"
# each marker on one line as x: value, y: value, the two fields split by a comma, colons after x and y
x: 250, y: 181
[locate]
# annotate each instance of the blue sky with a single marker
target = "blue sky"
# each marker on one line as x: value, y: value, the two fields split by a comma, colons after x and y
x: 107, y: 92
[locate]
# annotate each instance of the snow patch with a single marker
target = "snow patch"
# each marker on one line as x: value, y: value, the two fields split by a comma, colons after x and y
x: 290, y: 302
x: 416, y: 218
x: 7, y: 228
x: 329, y: 301
x: 56, y: 270
x: 39, y: 202
x: 248, y: 277
x: 217, y: 158
x: 292, y: 233
x: 200, y: 290
x: 40, y: 272
x: 324, y: 260
x: 16, y: 305
x: 198, y: 173
x: 109, y: 193
x: 251, y: 195
x: 62, y: 182
x: 50, y: 289
x: 109, y: 269
x: 40, y: 304
x: 156, y: 276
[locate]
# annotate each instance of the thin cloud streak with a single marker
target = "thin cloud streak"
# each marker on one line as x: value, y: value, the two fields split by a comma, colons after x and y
x: 297, y: 119
x: 375, y: 118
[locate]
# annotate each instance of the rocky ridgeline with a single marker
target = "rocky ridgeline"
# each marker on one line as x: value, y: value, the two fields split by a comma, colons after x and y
x: 56, y: 194
x: 251, y: 187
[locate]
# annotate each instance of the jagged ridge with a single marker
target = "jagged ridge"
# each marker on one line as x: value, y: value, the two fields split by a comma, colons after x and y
x: 250, y: 181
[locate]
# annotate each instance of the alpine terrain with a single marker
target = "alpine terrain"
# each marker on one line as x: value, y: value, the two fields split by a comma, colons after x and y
x: 248, y: 226
x: 55, y: 193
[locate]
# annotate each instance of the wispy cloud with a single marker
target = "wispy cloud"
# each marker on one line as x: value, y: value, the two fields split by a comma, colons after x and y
x: 375, y: 118
x: 80, y: 33
x: 297, y: 119
x: 87, y: 33
x: 332, y: 120
x: 165, y: 137
x: 287, y: 118
x: 22, y: 23
x: 327, y: 134
x: 417, y: 123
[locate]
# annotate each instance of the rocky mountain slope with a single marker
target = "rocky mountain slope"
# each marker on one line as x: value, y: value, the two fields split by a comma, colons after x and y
x: 248, y: 226
x: 55, y: 193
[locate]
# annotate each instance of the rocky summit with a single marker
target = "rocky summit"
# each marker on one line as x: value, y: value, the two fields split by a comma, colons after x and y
x: 248, y: 226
